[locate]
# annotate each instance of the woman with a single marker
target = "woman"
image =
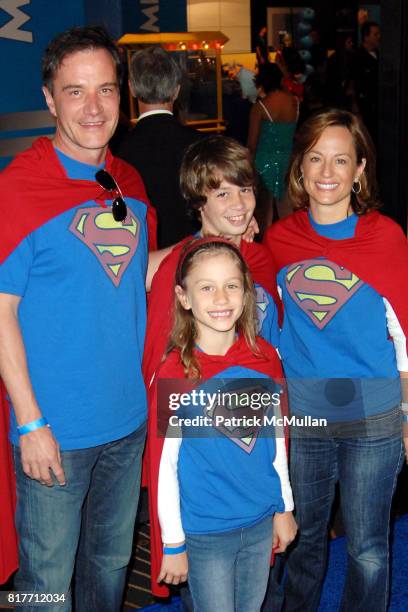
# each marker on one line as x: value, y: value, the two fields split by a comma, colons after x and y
x: 342, y: 270
x: 272, y: 125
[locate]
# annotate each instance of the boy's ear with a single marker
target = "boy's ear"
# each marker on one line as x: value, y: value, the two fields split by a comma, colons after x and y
x: 182, y: 297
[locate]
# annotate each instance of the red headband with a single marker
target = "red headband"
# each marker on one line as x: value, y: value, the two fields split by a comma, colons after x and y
x: 196, y: 243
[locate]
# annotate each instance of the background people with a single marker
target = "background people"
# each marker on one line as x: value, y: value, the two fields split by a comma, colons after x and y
x: 271, y: 129
x: 365, y: 77
x: 156, y: 144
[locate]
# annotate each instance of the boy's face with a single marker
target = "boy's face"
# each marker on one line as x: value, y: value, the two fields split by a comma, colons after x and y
x: 227, y: 211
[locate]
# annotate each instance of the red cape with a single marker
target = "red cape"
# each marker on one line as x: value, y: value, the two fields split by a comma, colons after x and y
x: 378, y: 253
x: 239, y: 354
x: 161, y: 298
x: 34, y: 188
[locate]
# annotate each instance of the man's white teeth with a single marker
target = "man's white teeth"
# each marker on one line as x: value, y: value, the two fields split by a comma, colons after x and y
x: 327, y: 186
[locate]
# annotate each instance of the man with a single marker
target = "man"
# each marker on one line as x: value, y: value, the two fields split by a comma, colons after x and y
x: 156, y: 145
x: 72, y: 324
x: 366, y: 77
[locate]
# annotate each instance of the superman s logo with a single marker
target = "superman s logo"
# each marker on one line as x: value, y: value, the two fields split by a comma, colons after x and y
x: 113, y: 243
x: 321, y: 288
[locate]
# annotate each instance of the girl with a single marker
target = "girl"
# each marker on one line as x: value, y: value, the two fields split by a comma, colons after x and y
x: 216, y: 488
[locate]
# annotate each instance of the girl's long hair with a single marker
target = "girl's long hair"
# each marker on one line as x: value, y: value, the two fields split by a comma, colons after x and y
x: 184, y: 333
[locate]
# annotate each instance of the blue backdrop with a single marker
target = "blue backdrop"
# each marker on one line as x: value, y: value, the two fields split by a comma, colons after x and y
x: 26, y: 26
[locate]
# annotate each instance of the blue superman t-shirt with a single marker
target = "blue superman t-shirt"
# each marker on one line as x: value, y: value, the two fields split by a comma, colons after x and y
x: 230, y: 466
x: 81, y: 277
x: 337, y: 355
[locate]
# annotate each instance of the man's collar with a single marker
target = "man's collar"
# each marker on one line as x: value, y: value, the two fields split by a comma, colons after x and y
x: 158, y: 111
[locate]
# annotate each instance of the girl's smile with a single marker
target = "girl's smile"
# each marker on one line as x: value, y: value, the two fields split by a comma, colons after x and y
x: 215, y: 295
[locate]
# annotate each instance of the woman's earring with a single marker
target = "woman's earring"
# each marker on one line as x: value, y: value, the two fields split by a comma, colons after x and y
x: 300, y: 180
x: 356, y: 187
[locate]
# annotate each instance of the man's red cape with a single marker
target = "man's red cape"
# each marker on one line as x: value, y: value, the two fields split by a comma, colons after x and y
x: 34, y: 188
x: 161, y: 298
x: 378, y: 253
x: 239, y: 354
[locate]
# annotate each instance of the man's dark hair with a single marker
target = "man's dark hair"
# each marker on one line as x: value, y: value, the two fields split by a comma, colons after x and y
x: 154, y: 76
x: 366, y: 29
x: 73, y: 40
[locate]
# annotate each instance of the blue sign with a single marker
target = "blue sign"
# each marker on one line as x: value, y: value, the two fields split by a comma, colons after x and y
x: 27, y: 26
x: 138, y: 16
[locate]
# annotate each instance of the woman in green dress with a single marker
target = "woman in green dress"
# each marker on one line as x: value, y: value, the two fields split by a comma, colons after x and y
x: 271, y: 129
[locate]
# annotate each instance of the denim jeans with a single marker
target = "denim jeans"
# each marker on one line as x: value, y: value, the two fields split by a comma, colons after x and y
x: 89, y: 521
x: 367, y: 470
x: 228, y: 572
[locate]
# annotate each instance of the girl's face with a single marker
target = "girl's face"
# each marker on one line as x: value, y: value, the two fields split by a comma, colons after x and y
x: 227, y: 211
x: 329, y: 170
x: 215, y: 295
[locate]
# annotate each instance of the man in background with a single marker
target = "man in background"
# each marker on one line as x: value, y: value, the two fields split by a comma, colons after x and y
x: 156, y: 145
x: 365, y: 77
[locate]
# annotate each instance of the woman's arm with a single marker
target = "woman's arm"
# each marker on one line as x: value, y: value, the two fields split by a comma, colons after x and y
x: 400, y: 344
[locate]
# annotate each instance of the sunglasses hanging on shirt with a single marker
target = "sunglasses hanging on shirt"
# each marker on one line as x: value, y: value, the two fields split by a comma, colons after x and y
x: 107, y: 182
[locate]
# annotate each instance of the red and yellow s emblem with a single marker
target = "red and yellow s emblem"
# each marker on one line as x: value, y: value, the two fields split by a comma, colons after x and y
x: 113, y: 243
x: 321, y: 288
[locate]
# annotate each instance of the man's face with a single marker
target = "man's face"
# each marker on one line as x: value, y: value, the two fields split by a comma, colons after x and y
x: 373, y: 38
x: 85, y: 103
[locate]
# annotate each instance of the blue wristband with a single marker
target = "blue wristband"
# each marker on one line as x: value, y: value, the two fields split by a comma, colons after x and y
x: 168, y: 550
x: 405, y: 418
x: 24, y: 429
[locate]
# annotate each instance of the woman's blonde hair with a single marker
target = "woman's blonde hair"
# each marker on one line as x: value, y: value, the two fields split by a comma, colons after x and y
x: 307, y: 136
x: 184, y: 332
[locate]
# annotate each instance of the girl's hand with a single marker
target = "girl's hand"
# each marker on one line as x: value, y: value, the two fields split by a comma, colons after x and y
x: 174, y: 569
x: 284, y: 531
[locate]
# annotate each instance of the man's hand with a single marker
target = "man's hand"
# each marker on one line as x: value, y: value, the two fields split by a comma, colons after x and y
x: 284, y: 531
x: 174, y: 569
x: 251, y: 230
x: 40, y: 456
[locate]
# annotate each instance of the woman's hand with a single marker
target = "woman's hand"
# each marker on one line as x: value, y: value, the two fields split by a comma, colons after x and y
x: 284, y: 531
x: 174, y: 568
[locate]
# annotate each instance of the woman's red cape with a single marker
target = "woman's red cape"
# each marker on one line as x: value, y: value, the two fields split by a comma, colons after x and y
x: 378, y: 253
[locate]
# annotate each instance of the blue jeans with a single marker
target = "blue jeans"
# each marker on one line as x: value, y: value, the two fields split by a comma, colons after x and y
x: 228, y: 572
x: 88, y: 523
x: 367, y: 470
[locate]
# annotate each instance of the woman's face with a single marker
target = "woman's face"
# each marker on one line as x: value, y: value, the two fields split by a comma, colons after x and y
x: 329, y: 170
